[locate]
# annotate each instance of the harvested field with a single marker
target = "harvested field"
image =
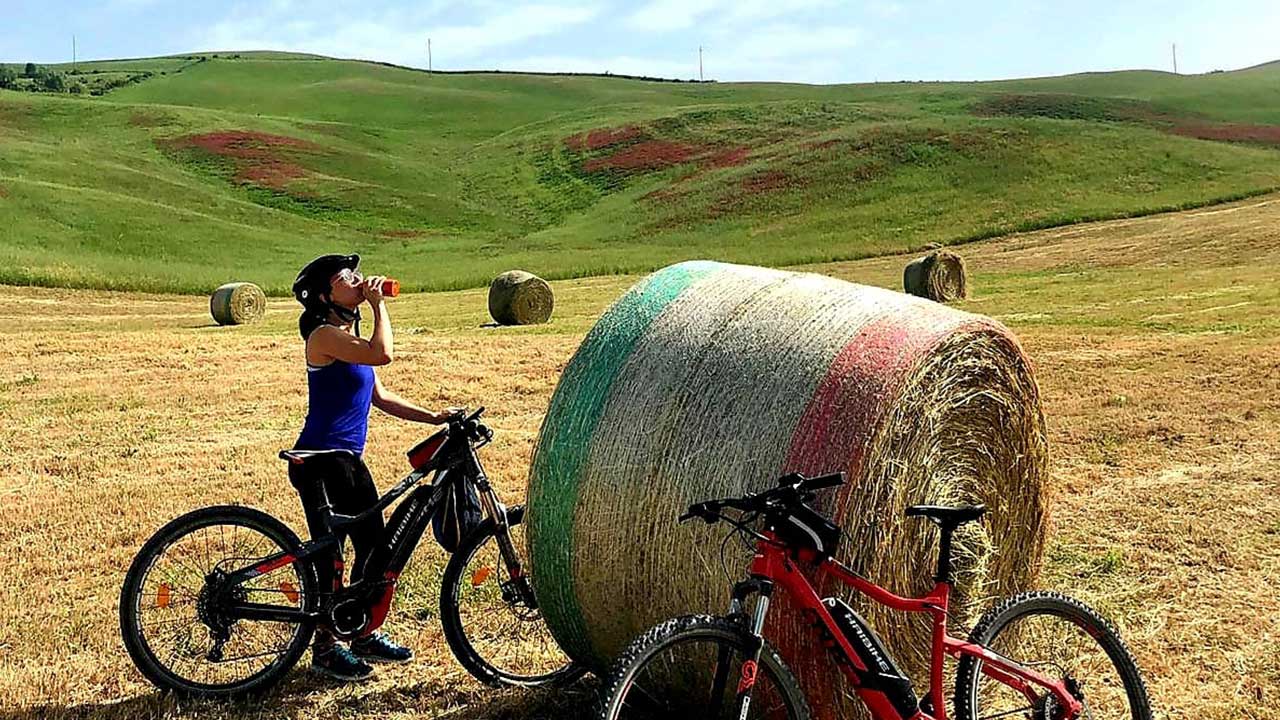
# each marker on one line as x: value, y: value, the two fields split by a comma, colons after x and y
x: 1155, y: 341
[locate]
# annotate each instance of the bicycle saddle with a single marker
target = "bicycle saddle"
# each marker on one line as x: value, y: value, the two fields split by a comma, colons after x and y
x: 948, y: 516
x: 297, y: 457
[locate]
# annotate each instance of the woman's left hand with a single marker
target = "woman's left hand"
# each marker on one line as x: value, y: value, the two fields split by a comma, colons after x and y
x: 443, y: 416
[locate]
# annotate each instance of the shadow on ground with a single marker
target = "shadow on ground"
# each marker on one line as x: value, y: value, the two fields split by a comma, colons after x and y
x: 303, y: 696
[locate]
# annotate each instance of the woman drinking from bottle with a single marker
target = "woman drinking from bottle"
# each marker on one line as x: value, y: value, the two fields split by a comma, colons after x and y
x: 341, y: 387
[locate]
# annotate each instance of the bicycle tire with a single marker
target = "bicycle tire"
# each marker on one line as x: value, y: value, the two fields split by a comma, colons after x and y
x: 140, y: 651
x: 480, y: 667
x: 720, y: 630
x: 1024, y: 605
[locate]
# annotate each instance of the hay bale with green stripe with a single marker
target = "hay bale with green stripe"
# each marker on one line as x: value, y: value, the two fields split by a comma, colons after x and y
x: 939, y: 276
x: 708, y: 380
x: 238, y: 303
x: 520, y: 298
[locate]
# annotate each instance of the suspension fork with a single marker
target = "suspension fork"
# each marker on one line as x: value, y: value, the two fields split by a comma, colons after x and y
x: 497, y: 512
x: 763, y: 589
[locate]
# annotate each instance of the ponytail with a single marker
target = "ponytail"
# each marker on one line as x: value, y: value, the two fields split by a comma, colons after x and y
x: 309, y: 320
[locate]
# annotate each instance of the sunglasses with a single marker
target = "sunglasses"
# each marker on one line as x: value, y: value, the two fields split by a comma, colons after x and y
x: 349, y: 276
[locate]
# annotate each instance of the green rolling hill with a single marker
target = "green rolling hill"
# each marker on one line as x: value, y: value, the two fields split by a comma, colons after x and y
x: 242, y: 166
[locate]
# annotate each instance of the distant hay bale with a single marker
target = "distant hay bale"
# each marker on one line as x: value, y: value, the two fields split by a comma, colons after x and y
x: 520, y: 298
x: 938, y: 276
x: 707, y: 380
x: 238, y: 303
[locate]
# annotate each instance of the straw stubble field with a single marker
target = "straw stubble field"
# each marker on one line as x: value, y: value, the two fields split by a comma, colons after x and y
x: 1155, y: 343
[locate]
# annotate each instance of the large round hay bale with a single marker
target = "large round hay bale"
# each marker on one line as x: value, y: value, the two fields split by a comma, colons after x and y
x: 520, y: 298
x: 708, y: 380
x: 938, y: 276
x: 238, y: 303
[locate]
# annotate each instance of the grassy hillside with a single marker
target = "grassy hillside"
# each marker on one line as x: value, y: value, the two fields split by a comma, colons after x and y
x: 244, y: 167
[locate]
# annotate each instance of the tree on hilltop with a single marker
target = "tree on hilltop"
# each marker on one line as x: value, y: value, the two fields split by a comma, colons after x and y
x: 53, y: 82
x: 31, y: 70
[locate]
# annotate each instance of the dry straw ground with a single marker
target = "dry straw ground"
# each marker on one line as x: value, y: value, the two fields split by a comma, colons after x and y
x: 1157, y: 344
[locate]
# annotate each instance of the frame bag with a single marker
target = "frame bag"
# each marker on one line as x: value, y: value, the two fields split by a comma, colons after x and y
x: 458, y: 515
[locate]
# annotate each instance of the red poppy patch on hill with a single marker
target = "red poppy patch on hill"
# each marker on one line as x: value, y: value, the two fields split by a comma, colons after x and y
x: 257, y: 158
x: 648, y: 155
x: 1230, y: 132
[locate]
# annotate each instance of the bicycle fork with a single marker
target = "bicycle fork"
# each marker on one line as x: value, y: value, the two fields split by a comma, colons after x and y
x: 517, y: 588
x: 755, y: 643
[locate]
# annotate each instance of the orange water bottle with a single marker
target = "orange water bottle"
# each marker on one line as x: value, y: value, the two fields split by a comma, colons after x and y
x: 390, y: 287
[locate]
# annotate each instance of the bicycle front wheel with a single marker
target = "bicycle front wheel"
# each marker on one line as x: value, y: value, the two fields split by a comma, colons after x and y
x: 1063, y: 639
x: 691, y: 667
x: 491, y: 620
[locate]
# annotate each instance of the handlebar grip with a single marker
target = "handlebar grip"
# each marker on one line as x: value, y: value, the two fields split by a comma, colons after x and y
x: 708, y: 511
x: 823, y: 481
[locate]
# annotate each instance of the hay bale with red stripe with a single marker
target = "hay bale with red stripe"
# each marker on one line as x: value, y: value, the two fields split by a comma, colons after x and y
x: 708, y: 380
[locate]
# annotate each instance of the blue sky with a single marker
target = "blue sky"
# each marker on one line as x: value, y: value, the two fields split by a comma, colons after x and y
x: 819, y: 41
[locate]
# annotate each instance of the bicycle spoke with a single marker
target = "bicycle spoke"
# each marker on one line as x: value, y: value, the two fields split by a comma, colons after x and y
x: 510, y: 637
x: 181, y: 639
x: 1007, y: 713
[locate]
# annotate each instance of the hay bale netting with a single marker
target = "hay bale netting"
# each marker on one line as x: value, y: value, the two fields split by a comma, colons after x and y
x: 938, y: 276
x: 238, y: 303
x: 708, y: 380
x: 520, y: 298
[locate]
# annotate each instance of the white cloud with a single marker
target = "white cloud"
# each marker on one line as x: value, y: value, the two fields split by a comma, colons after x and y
x: 786, y: 53
x: 668, y: 15
x: 396, y: 36
x: 780, y: 42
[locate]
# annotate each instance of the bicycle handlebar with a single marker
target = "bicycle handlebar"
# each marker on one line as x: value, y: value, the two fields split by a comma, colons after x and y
x: 793, y: 488
x: 469, y: 425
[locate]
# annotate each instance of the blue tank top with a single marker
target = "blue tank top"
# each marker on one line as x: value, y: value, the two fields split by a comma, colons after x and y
x: 338, y: 398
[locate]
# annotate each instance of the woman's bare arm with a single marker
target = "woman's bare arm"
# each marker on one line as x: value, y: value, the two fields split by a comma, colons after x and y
x: 396, y: 406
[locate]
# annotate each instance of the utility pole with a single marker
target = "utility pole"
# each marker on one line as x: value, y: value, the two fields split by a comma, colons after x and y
x: 73, y: 53
x: 700, y: 79
x: 428, y: 56
x: 1175, y: 58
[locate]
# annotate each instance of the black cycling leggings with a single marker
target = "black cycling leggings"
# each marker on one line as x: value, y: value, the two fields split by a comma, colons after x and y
x: 346, y: 482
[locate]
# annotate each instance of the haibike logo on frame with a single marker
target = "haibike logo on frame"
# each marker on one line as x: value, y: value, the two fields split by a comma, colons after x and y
x: 405, y: 523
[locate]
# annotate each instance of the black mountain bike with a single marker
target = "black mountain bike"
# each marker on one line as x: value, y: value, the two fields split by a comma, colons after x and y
x: 224, y: 600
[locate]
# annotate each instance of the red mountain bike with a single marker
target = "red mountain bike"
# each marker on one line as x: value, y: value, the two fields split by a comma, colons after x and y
x: 1036, y: 655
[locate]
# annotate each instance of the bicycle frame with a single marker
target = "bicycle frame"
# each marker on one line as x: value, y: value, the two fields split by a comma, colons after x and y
x: 774, y: 564
x: 399, y: 539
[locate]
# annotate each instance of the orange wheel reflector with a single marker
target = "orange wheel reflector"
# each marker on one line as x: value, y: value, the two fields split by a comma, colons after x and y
x: 162, y: 596
x: 479, y: 576
x: 289, y: 591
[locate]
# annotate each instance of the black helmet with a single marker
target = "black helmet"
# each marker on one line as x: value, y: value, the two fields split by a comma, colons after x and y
x: 313, y: 279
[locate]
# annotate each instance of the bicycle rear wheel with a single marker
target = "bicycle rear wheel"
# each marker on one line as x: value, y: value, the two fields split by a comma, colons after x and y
x: 170, y: 605
x: 1059, y: 637
x: 690, y: 667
